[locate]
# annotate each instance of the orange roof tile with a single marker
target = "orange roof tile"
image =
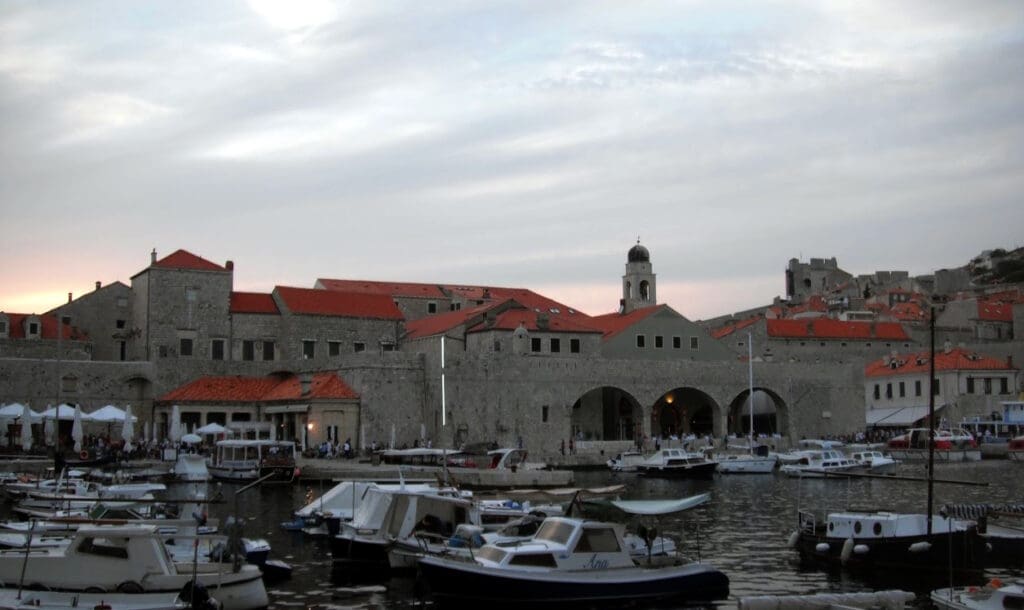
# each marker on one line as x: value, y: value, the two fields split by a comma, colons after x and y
x: 827, y: 328
x: 430, y: 326
x: 725, y: 331
x: 47, y: 330
x: 512, y: 318
x: 183, y: 259
x: 393, y: 289
x: 325, y: 385
x: 995, y: 311
x: 253, y: 302
x: 310, y: 301
x: 957, y: 359
x: 614, y: 323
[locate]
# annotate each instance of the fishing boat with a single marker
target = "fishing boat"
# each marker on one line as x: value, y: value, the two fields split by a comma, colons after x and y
x: 756, y: 460
x: 677, y: 463
x: 993, y: 596
x: 248, y: 460
x: 568, y: 560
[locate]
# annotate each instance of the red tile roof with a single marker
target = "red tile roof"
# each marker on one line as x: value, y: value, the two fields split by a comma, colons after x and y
x: 614, y: 323
x: 443, y: 322
x: 995, y: 311
x: 260, y: 389
x: 514, y: 317
x: 957, y: 359
x: 725, y: 331
x: 48, y: 328
x: 910, y: 311
x: 253, y: 302
x: 310, y: 301
x: 393, y: 289
x: 183, y: 259
x: 827, y: 328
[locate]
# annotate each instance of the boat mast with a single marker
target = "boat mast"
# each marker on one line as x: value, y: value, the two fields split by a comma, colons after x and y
x: 931, y: 420
x: 750, y: 399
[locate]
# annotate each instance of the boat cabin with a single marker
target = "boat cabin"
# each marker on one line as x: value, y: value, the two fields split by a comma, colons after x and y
x: 885, y: 525
x: 563, y: 543
x: 243, y: 460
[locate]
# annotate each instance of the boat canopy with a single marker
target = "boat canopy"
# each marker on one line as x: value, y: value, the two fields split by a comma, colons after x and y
x: 660, y: 507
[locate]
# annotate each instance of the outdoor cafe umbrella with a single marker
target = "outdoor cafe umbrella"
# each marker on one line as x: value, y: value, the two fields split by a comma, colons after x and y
x: 128, y: 429
x: 26, y: 428
x: 191, y: 438
x: 111, y: 415
x: 47, y: 429
x: 214, y: 428
x: 175, y: 432
x: 76, y: 429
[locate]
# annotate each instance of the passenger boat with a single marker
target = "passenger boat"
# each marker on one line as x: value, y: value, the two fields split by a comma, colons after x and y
x: 677, y: 463
x: 993, y: 596
x: 818, y: 464
x: 874, y: 461
x: 248, y: 460
x: 568, y: 561
x: 126, y: 560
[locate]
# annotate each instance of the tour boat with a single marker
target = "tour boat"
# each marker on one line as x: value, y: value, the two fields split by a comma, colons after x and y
x: 818, y: 464
x: 248, y: 460
x: 993, y: 596
x: 126, y: 560
x: 677, y: 463
x: 874, y: 461
x: 568, y: 561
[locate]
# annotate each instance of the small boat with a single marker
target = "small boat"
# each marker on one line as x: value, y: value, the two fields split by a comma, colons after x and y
x: 875, y: 461
x: 248, y: 460
x: 677, y: 463
x: 993, y: 596
x: 818, y: 464
x: 627, y: 461
x: 56, y: 600
x: 1015, y: 449
x: 950, y: 445
x: 568, y: 561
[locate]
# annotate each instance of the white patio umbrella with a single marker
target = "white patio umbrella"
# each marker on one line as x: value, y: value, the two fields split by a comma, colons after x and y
x: 175, y: 426
x: 67, y: 413
x: 111, y: 415
x: 48, y: 431
x: 76, y: 429
x: 26, y: 428
x: 214, y: 428
x: 16, y: 410
x: 128, y: 429
x: 191, y: 439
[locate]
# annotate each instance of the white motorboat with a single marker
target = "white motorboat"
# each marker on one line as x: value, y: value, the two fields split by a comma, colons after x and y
x: 627, y: 461
x: 820, y: 464
x: 677, y: 463
x: 993, y: 596
x: 568, y: 561
x: 248, y: 460
x: 756, y: 460
x: 322, y: 515
x: 126, y: 560
x: 875, y: 461
x: 56, y: 600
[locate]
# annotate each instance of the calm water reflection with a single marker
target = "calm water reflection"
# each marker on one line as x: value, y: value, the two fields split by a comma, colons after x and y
x: 742, y: 530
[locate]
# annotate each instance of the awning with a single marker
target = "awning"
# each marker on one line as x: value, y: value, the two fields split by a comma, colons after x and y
x: 898, y: 416
x: 285, y: 409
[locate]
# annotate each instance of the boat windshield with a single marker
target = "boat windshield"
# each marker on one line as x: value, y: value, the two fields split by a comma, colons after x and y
x: 491, y: 553
x: 555, y: 531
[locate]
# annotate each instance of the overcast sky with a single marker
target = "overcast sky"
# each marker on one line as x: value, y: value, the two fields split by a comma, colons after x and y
x: 523, y: 144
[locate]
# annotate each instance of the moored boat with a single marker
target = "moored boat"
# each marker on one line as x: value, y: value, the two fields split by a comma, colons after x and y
x: 993, y: 596
x: 248, y: 460
x: 627, y: 461
x: 818, y: 464
x: 1015, y: 449
x: 874, y: 461
x: 677, y: 463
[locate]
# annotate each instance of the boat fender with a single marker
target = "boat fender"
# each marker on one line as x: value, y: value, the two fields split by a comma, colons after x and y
x: 822, y: 547
x: 995, y: 583
x: 844, y: 554
x: 84, y: 454
x: 793, y: 539
x: 860, y: 549
x: 920, y: 547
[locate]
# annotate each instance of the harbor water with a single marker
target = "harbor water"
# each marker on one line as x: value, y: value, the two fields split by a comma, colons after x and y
x: 742, y: 530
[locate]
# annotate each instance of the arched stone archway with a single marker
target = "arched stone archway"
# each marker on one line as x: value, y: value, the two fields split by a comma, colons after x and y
x: 682, y: 411
x: 606, y: 414
x: 769, y: 413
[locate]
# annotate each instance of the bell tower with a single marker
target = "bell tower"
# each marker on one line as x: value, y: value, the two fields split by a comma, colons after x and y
x: 638, y: 284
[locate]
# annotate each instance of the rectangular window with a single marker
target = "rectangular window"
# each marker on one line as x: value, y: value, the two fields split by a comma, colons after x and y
x: 387, y: 347
x: 917, y: 388
x: 988, y: 385
x: 659, y: 342
x: 1004, y: 387
x: 268, y: 350
x: 334, y: 348
x: 358, y: 346
x: 69, y: 384
x: 497, y: 345
x: 903, y: 389
x: 122, y: 348
x: 431, y: 307
x: 308, y: 349
x: 217, y: 349
x: 119, y: 323
x: 33, y: 328
x: 935, y: 387
x: 970, y: 385
x: 556, y: 345
x: 535, y: 344
x: 248, y: 350
x: 694, y: 344
x: 878, y: 392
x: 641, y: 341
x: 3, y: 327
x: 185, y: 347
x: 677, y: 342
x: 888, y: 390
x: 574, y: 347
x: 544, y: 414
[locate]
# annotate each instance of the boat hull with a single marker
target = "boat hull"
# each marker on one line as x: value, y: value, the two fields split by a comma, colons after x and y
x: 688, y: 471
x: 469, y: 582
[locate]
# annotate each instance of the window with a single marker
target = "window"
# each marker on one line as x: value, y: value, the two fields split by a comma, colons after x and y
x: 387, y: 347
x: 641, y: 341
x: 497, y: 345
x: 33, y: 328
x: 535, y: 344
x: 184, y: 347
x: 659, y: 342
x: 574, y: 347
x: 597, y: 540
x: 988, y: 385
x: 3, y: 327
x: 119, y: 323
x: 694, y: 344
x: 103, y: 547
x: 248, y: 350
x: 878, y: 392
x: 308, y: 349
x: 122, y: 349
x: 1004, y: 387
x: 334, y: 348
x: 217, y: 349
x: 903, y: 389
x: 935, y: 387
x: 556, y: 345
x: 677, y: 342
x: 431, y: 307
x: 358, y: 346
x: 917, y: 388
x: 544, y: 414
x: 888, y: 390
x: 970, y: 385
x: 268, y: 350
x: 542, y: 560
x: 69, y: 384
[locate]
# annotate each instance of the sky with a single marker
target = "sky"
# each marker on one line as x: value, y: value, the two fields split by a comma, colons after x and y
x: 519, y: 144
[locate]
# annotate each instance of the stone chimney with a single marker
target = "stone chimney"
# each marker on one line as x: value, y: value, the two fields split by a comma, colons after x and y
x: 69, y: 297
x: 98, y: 284
x: 152, y: 257
x: 230, y: 265
x: 305, y: 383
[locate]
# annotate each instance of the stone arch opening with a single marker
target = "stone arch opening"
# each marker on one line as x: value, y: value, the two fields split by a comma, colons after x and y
x: 684, y: 411
x: 769, y: 413
x: 606, y: 413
